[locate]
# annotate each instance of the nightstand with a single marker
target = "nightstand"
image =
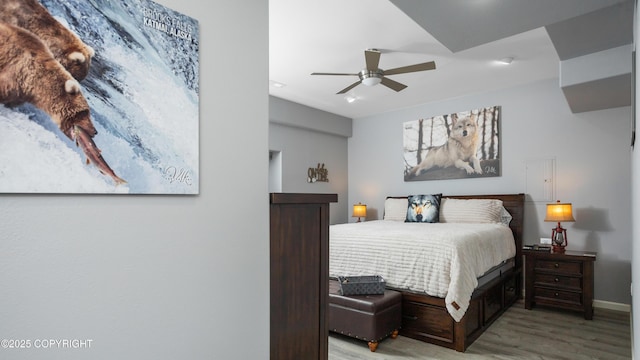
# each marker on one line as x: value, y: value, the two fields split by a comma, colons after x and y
x: 560, y: 280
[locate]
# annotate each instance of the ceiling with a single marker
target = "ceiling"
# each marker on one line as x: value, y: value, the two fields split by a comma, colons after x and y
x: 465, y: 38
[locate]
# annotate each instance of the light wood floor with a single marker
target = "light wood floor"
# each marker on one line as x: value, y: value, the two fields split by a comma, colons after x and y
x: 540, y: 333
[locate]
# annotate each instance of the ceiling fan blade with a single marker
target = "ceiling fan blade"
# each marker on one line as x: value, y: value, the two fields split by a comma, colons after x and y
x: 394, y: 85
x: 411, y: 68
x: 372, y: 57
x: 315, y: 73
x: 349, y: 87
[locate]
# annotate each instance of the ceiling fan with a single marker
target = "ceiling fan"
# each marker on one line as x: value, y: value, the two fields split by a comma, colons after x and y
x: 372, y: 75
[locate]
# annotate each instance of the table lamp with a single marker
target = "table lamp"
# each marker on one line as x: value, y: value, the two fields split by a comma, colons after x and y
x: 359, y: 210
x: 559, y: 212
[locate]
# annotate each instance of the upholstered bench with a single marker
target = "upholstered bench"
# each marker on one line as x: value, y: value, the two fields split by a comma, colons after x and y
x: 366, y: 317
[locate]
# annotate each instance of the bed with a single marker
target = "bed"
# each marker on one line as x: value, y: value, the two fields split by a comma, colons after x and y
x: 480, y: 266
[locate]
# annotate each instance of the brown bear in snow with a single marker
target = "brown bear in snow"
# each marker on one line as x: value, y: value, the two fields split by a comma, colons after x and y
x: 30, y: 73
x: 66, y: 46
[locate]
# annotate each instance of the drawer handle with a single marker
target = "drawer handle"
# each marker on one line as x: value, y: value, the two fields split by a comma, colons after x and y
x: 556, y: 265
x: 556, y: 294
x: 556, y: 279
x: 410, y: 317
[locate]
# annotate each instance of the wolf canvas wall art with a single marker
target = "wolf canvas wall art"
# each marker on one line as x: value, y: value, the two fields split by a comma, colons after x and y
x: 460, y: 145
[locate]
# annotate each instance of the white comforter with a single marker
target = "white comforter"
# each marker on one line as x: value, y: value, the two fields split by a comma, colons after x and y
x: 440, y: 259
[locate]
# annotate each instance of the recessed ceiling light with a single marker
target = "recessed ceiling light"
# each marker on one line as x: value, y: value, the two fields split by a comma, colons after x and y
x: 350, y: 98
x: 276, y: 84
x: 506, y: 60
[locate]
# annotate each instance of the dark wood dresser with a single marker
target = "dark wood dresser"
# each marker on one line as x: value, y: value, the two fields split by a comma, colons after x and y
x: 299, y: 275
x: 561, y: 280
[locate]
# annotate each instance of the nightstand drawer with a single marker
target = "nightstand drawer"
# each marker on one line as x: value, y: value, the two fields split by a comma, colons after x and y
x: 564, y: 267
x: 565, y: 282
x: 542, y: 294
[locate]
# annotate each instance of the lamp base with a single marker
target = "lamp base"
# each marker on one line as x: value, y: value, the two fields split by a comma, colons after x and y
x: 558, y: 249
x: 559, y: 239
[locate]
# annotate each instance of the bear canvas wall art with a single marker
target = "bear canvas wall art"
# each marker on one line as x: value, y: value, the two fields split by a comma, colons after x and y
x: 98, y: 97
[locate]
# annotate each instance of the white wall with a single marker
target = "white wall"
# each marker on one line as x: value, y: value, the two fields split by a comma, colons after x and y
x: 592, y: 157
x: 306, y: 137
x: 159, y: 277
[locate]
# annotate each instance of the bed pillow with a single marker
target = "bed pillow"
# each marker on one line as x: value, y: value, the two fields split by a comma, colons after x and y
x: 505, y: 217
x: 395, y: 209
x: 471, y: 211
x: 424, y: 208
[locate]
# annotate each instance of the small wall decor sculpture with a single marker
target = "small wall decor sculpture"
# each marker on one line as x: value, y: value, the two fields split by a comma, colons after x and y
x: 318, y: 174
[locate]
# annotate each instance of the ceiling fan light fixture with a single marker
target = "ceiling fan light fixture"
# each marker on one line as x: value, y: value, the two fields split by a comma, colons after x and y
x: 370, y: 78
x: 372, y: 75
x: 371, y: 81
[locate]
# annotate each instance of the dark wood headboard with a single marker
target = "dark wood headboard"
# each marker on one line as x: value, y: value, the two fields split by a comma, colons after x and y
x: 514, y: 203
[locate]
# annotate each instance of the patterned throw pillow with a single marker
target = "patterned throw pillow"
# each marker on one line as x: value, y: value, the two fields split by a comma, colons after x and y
x: 424, y: 208
x: 505, y: 217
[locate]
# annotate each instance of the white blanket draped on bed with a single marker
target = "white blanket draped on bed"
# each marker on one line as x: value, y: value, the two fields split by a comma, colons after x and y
x: 440, y: 259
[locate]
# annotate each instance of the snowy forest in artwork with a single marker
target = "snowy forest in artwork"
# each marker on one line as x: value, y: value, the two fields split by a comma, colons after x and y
x: 143, y: 93
x: 433, y: 147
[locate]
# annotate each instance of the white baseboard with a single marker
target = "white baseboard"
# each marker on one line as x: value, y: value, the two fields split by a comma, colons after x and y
x: 601, y: 304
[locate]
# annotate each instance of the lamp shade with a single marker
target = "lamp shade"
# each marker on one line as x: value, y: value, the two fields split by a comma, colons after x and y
x: 370, y: 81
x: 559, y: 212
x: 359, y: 210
